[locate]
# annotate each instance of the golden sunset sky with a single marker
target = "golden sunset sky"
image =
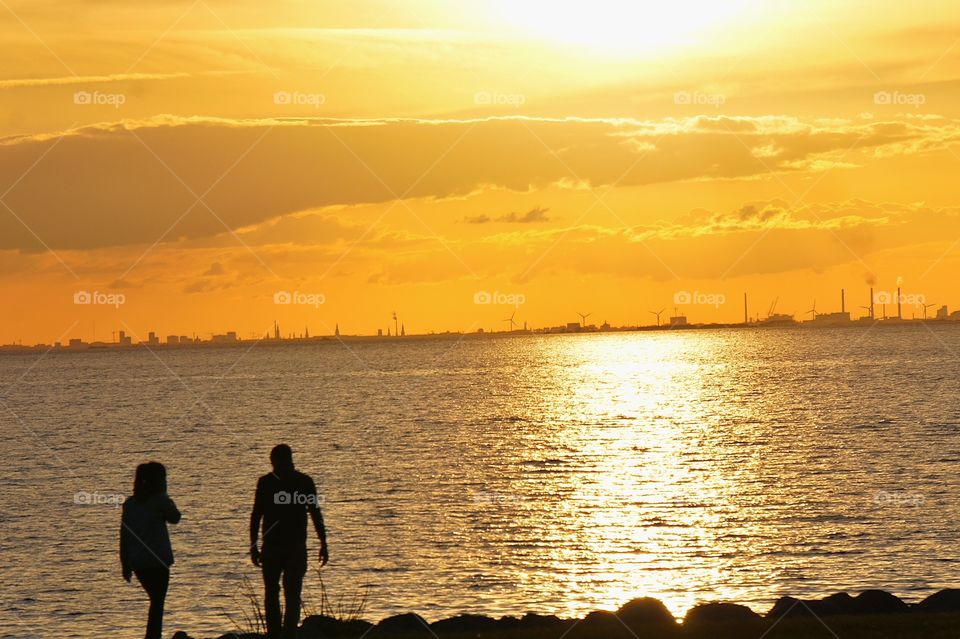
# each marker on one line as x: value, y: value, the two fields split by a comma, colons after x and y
x: 198, y: 157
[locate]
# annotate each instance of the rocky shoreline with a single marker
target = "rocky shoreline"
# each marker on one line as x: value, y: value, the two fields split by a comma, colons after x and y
x: 872, y: 613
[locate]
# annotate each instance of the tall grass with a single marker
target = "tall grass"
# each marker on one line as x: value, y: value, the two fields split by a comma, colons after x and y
x: 344, y: 609
x: 251, y: 619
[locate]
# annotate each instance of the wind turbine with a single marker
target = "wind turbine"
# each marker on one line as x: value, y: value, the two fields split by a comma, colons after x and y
x: 925, y: 307
x: 813, y: 311
x: 510, y: 319
x: 658, y: 314
x: 583, y: 319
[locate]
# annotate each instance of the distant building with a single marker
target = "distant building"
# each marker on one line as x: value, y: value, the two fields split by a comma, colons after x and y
x: 185, y: 340
x: 379, y: 332
x: 943, y: 313
x: 125, y: 340
x: 777, y: 319
x: 76, y: 343
x: 152, y: 339
x: 678, y: 320
x: 831, y: 319
x: 172, y: 340
x: 573, y: 327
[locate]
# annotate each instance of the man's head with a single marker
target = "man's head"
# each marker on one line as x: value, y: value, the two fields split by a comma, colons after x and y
x: 282, y: 458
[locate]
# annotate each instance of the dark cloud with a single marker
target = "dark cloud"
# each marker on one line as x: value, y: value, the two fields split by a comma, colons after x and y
x: 171, y: 178
x: 535, y: 215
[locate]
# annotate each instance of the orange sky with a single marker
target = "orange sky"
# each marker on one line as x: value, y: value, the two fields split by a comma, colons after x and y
x: 193, y: 159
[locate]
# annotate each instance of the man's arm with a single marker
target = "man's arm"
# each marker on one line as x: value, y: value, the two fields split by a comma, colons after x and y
x: 255, y: 518
x: 314, y: 509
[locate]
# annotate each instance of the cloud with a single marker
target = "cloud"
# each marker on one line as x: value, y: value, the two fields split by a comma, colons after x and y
x: 533, y: 216
x: 170, y: 178
x: 215, y: 269
x: 87, y: 79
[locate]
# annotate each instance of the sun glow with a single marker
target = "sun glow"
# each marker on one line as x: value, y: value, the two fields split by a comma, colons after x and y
x: 622, y: 25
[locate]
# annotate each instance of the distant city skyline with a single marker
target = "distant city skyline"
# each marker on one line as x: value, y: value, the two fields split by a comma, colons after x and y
x: 882, y: 307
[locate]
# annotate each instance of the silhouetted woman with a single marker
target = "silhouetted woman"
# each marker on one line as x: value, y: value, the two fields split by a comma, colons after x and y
x: 145, y: 549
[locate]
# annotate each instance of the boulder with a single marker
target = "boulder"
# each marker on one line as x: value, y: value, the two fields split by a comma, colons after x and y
x: 324, y: 626
x: 645, y: 611
x: 463, y: 624
x: 600, y: 623
x: 508, y: 623
x: 601, y: 618
x: 837, y: 604
x: 943, y: 601
x: 878, y: 602
x: 868, y: 602
x: 711, y: 613
x: 788, y: 607
x: 533, y: 620
x: 793, y: 607
x: 406, y: 624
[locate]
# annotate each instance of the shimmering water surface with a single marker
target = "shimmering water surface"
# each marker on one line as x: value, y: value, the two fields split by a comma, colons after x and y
x: 555, y: 474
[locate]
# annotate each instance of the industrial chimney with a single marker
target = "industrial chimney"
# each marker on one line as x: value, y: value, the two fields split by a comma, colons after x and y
x: 899, y: 309
x: 843, y: 301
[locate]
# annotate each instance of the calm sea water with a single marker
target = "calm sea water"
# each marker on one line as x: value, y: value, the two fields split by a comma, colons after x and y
x: 555, y: 474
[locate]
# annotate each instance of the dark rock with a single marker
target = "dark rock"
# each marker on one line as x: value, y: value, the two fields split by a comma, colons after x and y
x: 465, y: 624
x: 406, y: 624
x: 943, y: 601
x: 324, y: 626
x: 532, y: 620
x: 600, y: 623
x: 838, y: 604
x: 868, y: 602
x: 645, y: 611
x: 241, y: 635
x: 878, y: 602
x: 508, y: 623
x: 180, y: 634
x: 711, y: 613
x: 600, y: 618
x: 788, y: 607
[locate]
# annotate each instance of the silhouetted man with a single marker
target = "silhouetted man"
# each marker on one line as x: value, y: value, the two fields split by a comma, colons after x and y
x: 284, y: 497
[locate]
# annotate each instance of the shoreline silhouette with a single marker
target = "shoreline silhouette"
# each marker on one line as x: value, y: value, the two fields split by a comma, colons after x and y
x: 556, y: 331
x: 871, y: 613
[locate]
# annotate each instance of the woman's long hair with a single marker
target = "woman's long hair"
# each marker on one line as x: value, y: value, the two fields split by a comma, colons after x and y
x: 151, y: 479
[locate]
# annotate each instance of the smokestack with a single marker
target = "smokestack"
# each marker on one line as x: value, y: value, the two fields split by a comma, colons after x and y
x: 843, y: 301
x: 899, y: 309
x: 746, y: 318
x: 873, y: 313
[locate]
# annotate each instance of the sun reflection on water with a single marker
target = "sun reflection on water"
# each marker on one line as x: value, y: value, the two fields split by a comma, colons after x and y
x: 642, y: 504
